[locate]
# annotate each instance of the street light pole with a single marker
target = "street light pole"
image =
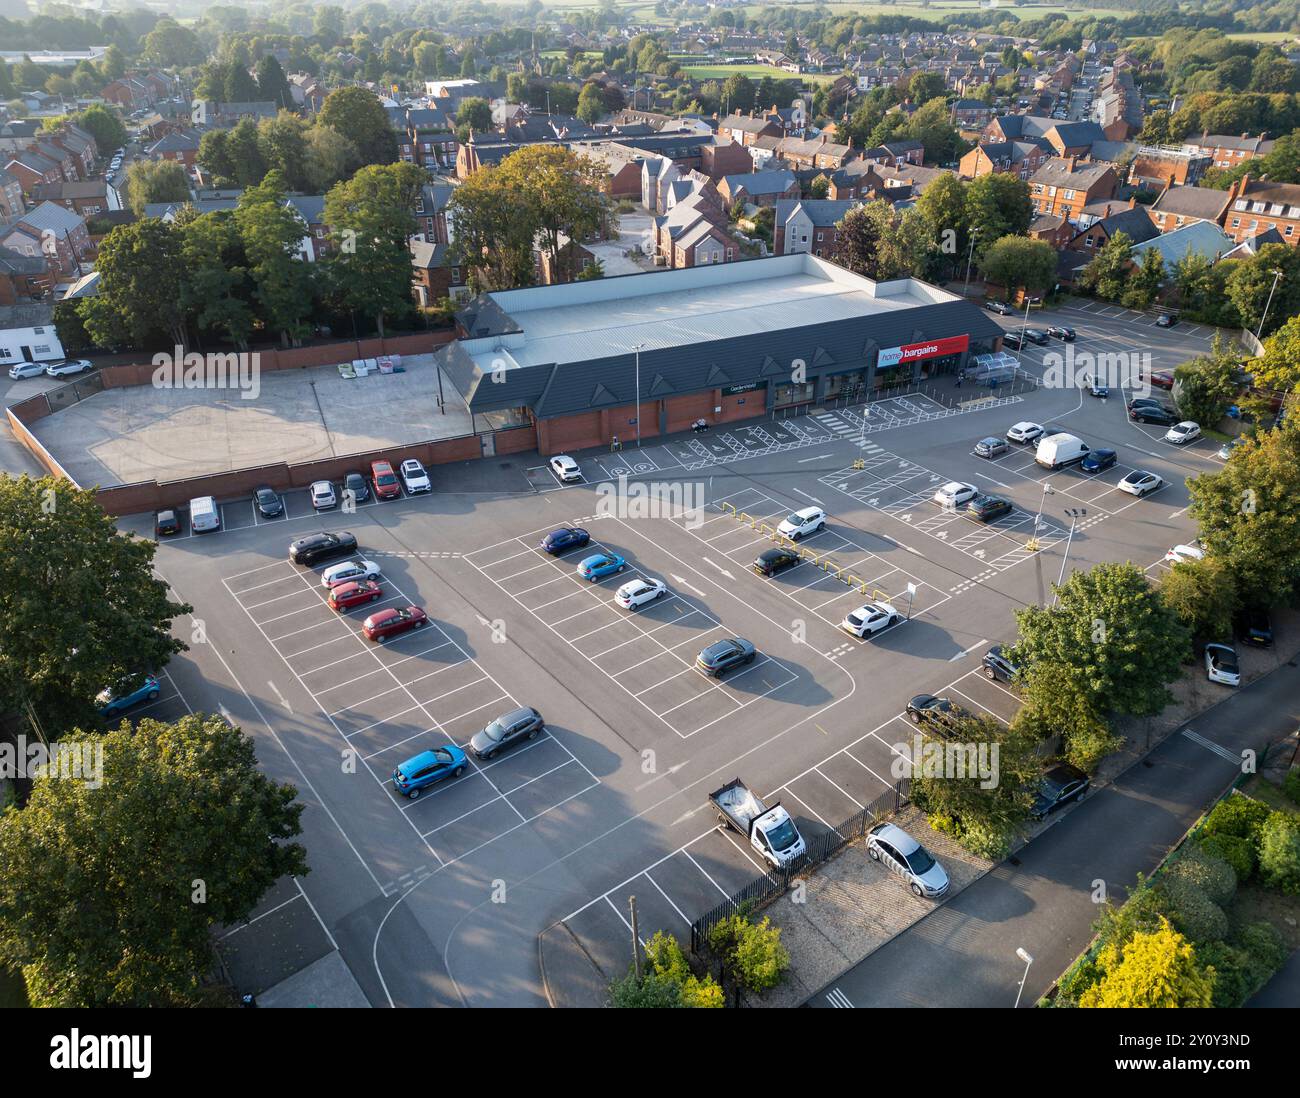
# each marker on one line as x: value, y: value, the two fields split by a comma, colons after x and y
x: 1075, y: 514
x: 1024, y: 955
x: 1277, y: 274
x: 1038, y: 519
x: 969, y: 259
x: 1024, y: 325
x: 637, y: 348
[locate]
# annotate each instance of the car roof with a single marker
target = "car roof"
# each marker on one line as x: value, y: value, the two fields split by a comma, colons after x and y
x: 424, y: 758
x: 808, y: 511
x: 896, y: 837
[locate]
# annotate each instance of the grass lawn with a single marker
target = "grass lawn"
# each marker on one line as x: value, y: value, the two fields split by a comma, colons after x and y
x: 754, y: 72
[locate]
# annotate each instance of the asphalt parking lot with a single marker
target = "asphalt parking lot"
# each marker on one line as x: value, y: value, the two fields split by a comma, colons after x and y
x: 440, y: 900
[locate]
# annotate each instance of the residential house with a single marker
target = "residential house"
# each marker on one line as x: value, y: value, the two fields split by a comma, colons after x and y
x: 11, y: 196
x: 53, y: 232
x: 1020, y: 158
x: 1064, y: 186
x: 429, y: 138
x: 746, y: 129
x: 573, y: 258
x: 431, y: 213
x: 1053, y: 228
x: 80, y: 145
x: 693, y: 234
x: 809, y: 225
x: 434, y: 275
x: 759, y: 188
x: 22, y: 277
x: 1134, y: 221
x: 1226, y: 151
x: 1258, y: 204
x: 31, y: 169
x: 815, y: 152
x: 1155, y: 167
x: 1203, y: 238
x: 310, y: 209
x: 88, y: 197
x: 971, y: 113
x: 1179, y: 206
x: 179, y: 146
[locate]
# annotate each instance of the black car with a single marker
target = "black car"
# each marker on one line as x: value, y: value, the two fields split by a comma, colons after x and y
x: 1166, y: 320
x: 1013, y: 340
x: 997, y: 666
x: 1061, y: 332
x: 771, y: 561
x: 315, y: 548
x: 1151, y: 413
x: 939, y: 713
x: 999, y: 307
x: 268, y: 502
x: 988, y: 508
x: 1096, y: 461
x: 566, y: 537
x: 1036, y: 335
x: 1060, y: 785
x: 506, y: 731
x: 356, y: 484
x: 166, y: 523
x: 1255, y: 628
x: 723, y: 655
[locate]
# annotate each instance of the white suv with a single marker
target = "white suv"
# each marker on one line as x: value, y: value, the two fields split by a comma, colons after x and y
x: 565, y: 468
x: 802, y: 523
x: 414, y: 477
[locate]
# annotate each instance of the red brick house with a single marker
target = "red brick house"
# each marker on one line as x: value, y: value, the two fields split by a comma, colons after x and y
x: 88, y: 197
x: 31, y: 169
x: 434, y: 276
x: 1255, y: 205
x: 1065, y: 186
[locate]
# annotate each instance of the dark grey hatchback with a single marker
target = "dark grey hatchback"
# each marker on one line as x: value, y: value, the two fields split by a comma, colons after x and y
x: 506, y: 731
x: 723, y: 655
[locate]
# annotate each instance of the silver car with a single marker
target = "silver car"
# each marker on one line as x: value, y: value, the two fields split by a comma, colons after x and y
x: 901, y: 854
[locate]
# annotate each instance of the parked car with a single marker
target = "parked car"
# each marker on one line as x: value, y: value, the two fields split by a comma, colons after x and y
x: 1152, y: 413
x: 344, y: 596
x: 166, y: 523
x: 111, y: 704
x: 1024, y: 432
x: 414, y: 477
x: 1166, y: 320
x: 721, y: 656
x: 385, y: 481
x: 1180, y: 554
x: 1255, y: 627
x: 1226, y: 450
x: 770, y: 831
x: 356, y: 484
x: 1012, y: 340
x: 807, y: 520
x: 939, y: 713
x: 1057, y: 449
x: 565, y: 468
x: 566, y: 537
x: 1149, y: 402
x: 66, y: 367
x: 599, y: 565
x: 322, y: 495
x: 1161, y: 379
x: 1099, y: 391
x: 1061, y: 332
x: 393, y: 622
x: 955, y: 493
x: 1182, y: 433
x: 26, y: 369
x: 999, y: 307
x: 315, y: 548
x: 638, y: 592
x: 997, y: 666
x: 771, y: 561
x: 506, y: 731
x: 868, y: 620
x: 988, y: 508
x: 901, y: 854
x: 1221, y: 665
x: 1059, y: 785
x: 991, y: 447
x: 414, y: 776
x: 1139, y: 482
x: 1096, y: 461
x: 268, y: 502
x: 1036, y: 335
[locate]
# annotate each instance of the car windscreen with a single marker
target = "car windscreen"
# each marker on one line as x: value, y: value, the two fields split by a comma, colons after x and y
x: 386, y: 478
x: 919, y: 861
x: 495, y: 731
x: 442, y: 755
x: 783, y: 836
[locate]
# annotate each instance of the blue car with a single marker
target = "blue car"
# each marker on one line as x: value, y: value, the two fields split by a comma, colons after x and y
x: 110, y: 705
x: 415, y: 775
x: 566, y: 537
x: 599, y: 565
x: 1095, y: 461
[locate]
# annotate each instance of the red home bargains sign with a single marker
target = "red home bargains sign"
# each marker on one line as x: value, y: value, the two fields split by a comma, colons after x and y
x: 934, y: 348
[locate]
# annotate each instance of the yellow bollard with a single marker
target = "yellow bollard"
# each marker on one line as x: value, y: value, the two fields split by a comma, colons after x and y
x: 859, y: 463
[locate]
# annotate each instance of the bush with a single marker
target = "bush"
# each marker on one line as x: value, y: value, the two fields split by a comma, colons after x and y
x: 1193, y: 913
x: 1264, y: 950
x: 1238, y: 853
x: 1213, y: 876
x: 1231, y: 981
x: 650, y: 992
x: 668, y: 963
x: 1236, y: 815
x: 1279, y: 853
x: 752, y: 952
x: 1291, y: 785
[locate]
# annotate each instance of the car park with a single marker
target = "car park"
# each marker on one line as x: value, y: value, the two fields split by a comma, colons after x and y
x: 385, y: 481
x: 66, y: 367
x: 955, y: 493
x: 268, y: 502
x: 21, y: 370
x: 868, y: 620
x: 771, y: 561
x: 166, y: 524
x: 999, y: 307
x: 807, y: 520
x: 1097, y: 461
x: 393, y: 622
x: 355, y: 483
x: 599, y: 565
x: 939, y: 713
x: 565, y: 468
x: 991, y: 447
x: 998, y: 667
x: 1150, y: 413
x: 1255, y: 627
x: 506, y: 731
x: 721, y: 656
x: 1061, y: 332
x: 110, y: 704
x: 344, y: 596
x: 1056, y: 451
x: 1182, y: 433
x: 638, y: 592
x: 902, y: 855
x: 315, y: 548
x: 349, y: 571
x: 414, y: 776
x: 1024, y: 432
x: 988, y: 508
x: 414, y: 477
x: 1140, y: 482
x: 1221, y: 665
x: 322, y: 495
x: 1181, y: 554
x: 565, y: 538
x: 1059, y: 785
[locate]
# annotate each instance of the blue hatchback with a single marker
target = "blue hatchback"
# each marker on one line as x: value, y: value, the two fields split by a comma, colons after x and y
x: 417, y: 774
x: 566, y: 537
x: 111, y: 706
x: 1095, y: 461
x: 599, y: 565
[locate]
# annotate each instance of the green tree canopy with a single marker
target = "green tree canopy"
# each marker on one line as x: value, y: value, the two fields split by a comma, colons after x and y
x: 359, y: 116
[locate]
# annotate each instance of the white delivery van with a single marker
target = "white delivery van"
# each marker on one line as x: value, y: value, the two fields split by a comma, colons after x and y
x: 204, y: 515
x: 1058, y: 451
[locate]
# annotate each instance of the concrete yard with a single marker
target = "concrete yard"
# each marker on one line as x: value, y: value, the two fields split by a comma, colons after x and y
x: 140, y: 433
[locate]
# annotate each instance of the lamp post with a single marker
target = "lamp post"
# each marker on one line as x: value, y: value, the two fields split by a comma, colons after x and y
x: 637, y: 348
x: 1024, y: 325
x: 1074, y: 514
x: 1038, y: 519
x: 1025, y: 956
x: 1277, y: 274
x: 970, y: 256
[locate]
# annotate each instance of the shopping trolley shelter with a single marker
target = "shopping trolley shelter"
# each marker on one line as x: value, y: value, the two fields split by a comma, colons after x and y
x: 440, y: 899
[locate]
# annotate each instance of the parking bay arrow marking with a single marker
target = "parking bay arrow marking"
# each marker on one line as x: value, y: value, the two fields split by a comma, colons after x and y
x: 682, y: 583
x: 715, y: 564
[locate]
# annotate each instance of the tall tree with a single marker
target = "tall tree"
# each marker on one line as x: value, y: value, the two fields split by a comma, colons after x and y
x: 103, y: 125
x: 494, y: 231
x: 1017, y: 261
x: 149, y: 181
x: 359, y: 116
x: 282, y: 141
x: 997, y: 205
x: 328, y: 158
x: 1107, y: 273
x: 217, y: 288
x: 272, y: 234
x: 272, y: 84
x: 140, y: 268
x: 859, y: 237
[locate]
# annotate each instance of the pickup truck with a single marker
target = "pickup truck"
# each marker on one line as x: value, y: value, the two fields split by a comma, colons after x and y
x: 771, y: 831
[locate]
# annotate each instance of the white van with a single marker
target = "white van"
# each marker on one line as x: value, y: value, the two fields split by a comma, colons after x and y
x: 1058, y: 451
x: 204, y: 515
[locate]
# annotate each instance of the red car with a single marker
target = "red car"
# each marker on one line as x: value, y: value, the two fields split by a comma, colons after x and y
x: 347, y: 595
x: 1162, y: 379
x: 386, y: 482
x: 390, y: 623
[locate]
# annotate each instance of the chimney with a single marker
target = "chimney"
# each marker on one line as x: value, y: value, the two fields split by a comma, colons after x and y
x: 1132, y: 201
x: 1073, y: 162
